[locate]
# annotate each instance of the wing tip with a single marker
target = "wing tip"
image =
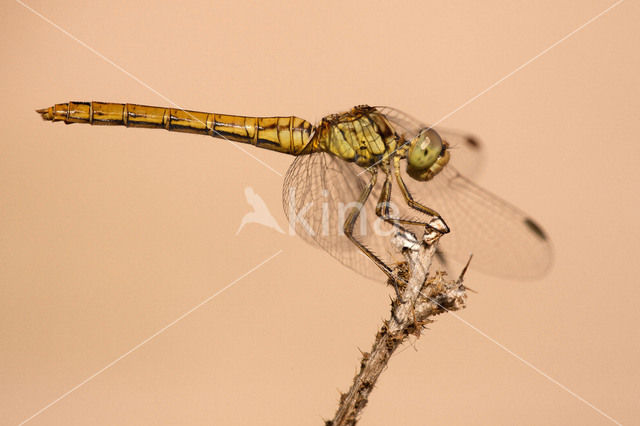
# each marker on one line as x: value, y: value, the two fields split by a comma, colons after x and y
x: 473, y: 142
x: 535, y: 228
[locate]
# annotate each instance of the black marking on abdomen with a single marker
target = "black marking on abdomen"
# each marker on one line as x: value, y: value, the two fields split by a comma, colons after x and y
x: 266, y: 142
x: 228, y: 135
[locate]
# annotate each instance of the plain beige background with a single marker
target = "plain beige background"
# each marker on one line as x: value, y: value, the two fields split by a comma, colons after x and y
x: 108, y: 235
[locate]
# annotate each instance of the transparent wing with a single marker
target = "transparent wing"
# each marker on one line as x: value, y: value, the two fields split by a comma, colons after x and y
x: 504, y: 240
x: 318, y: 192
x: 466, y: 149
x: 319, y: 189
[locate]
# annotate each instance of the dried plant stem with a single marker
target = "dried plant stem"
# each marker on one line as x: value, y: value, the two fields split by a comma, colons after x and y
x: 421, y: 299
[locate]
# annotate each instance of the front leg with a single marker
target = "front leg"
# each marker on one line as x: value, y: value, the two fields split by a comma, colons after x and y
x: 437, y: 223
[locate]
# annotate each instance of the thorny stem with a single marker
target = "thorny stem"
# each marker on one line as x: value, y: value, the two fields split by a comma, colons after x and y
x: 422, y: 298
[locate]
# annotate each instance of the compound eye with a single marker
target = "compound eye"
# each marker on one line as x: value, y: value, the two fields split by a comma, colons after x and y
x: 425, y: 149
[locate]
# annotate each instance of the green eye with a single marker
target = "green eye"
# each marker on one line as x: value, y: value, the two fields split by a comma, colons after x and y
x: 424, y: 151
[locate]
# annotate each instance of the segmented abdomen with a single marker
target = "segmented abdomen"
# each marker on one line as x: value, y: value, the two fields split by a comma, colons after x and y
x: 284, y: 134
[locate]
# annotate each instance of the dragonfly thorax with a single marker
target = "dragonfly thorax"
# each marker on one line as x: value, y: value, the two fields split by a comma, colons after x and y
x: 361, y: 135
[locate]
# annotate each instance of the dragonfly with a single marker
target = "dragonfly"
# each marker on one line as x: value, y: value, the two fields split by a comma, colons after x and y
x: 361, y: 175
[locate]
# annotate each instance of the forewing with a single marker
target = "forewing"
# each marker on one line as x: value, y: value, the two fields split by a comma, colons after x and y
x: 504, y: 240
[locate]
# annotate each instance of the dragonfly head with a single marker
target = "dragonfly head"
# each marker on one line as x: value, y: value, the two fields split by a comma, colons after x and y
x: 427, y: 155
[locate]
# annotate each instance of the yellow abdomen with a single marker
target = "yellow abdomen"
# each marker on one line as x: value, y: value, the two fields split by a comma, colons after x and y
x: 290, y: 135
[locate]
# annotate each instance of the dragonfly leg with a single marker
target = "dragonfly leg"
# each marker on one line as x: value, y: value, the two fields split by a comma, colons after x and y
x: 438, y: 223
x: 349, y: 225
x: 384, y: 205
x: 383, y: 212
